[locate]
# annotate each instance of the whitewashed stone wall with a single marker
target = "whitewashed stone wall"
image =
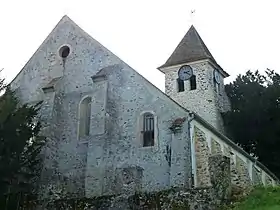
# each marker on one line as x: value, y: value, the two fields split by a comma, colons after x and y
x: 245, y: 171
x: 128, y: 96
x: 111, y: 158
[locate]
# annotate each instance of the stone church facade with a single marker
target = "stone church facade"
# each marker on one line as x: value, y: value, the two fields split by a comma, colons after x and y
x: 110, y: 131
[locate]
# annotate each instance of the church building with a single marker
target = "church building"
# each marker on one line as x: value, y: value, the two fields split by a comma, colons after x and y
x: 111, y: 131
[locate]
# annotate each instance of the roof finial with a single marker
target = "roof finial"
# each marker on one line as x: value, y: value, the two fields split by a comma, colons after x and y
x: 192, y: 16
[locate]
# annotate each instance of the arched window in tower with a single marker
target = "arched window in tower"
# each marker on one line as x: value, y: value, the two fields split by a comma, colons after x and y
x: 148, y: 132
x: 84, y: 117
x: 193, y: 82
x: 216, y: 87
x: 217, y: 81
x: 180, y: 85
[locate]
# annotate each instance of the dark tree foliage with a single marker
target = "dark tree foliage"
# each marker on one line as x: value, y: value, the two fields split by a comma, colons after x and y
x: 20, y: 144
x: 254, y: 121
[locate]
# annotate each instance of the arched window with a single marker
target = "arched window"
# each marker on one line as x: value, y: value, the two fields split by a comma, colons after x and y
x: 193, y: 82
x: 217, y: 80
x: 216, y: 86
x: 180, y: 84
x: 148, y: 130
x: 84, y: 120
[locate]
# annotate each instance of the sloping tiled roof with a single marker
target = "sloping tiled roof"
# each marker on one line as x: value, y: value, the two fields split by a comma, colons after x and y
x: 191, y: 48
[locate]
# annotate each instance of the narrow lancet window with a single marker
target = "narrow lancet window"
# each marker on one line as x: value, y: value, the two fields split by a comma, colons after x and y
x: 85, y: 113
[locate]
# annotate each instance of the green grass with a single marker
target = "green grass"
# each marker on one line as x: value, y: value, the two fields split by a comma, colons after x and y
x: 260, y: 199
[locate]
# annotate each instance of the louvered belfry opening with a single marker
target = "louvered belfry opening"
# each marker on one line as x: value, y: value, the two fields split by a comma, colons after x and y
x: 148, y: 130
x: 180, y: 84
x: 193, y: 82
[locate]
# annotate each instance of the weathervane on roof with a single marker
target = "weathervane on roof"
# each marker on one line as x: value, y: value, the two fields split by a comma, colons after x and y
x: 192, y: 13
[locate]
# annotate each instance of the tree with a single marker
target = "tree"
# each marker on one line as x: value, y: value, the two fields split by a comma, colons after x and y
x: 254, y: 120
x: 20, y: 144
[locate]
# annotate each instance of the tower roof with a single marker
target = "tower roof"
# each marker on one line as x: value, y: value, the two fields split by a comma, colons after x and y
x: 191, y: 48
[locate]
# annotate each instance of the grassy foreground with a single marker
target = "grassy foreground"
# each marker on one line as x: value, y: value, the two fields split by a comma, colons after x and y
x: 260, y: 199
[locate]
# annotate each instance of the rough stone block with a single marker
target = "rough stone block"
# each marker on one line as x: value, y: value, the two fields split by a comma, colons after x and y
x: 220, y: 176
x: 202, y: 155
x: 243, y: 172
x: 128, y: 180
x: 216, y: 147
x: 256, y: 175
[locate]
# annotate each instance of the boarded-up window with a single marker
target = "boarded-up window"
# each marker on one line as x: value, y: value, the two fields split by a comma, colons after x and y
x: 85, y: 113
x: 148, y: 130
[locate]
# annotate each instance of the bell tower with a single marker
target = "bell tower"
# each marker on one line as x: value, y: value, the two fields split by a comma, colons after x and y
x: 194, y: 79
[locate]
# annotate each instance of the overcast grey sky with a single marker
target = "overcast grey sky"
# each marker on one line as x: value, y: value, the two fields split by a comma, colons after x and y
x: 240, y: 34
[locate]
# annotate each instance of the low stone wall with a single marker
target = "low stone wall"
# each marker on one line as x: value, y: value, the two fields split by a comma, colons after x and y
x: 191, y: 199
x: 207, y: 198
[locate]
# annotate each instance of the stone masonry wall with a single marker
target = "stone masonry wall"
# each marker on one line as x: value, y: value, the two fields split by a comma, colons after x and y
x: 112, y: 159
x: 188, y: 199
x: 242, y: 168
x: 203, y: 100
x: 243, y: 172
x: 202, y: 155
x: 215, y: 147
x: 173, y: 198
x: 256, y: 176
x: 236, y: 177
x: 91, y: 166
x: 128, y: 96
x: 220, y: 176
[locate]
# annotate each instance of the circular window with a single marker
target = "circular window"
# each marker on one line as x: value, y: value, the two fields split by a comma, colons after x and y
x: 64, y: 51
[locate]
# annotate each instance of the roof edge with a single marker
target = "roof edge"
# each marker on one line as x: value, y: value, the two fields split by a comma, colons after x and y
x: 183, y: 63
x: 215, y: 64
x: 62, y: 20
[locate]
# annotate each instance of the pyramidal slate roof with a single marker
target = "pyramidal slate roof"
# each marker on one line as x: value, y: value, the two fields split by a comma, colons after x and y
x: 191, y: 48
